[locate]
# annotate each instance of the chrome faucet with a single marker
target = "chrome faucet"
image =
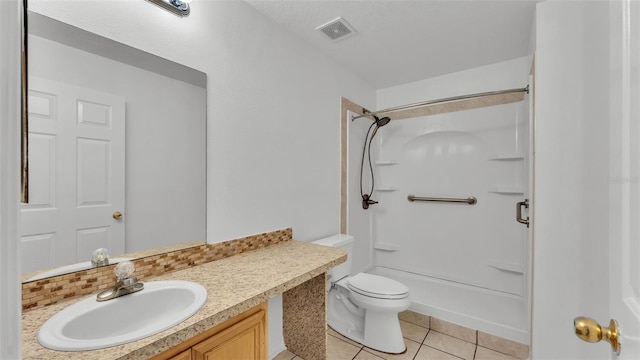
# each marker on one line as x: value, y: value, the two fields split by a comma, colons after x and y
x: 124, y: 284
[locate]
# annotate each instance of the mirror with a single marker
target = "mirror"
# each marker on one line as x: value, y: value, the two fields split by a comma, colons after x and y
x: 116, y: 149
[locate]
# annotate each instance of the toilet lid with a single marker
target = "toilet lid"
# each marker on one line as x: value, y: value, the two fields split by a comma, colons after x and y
x: 377, y: 286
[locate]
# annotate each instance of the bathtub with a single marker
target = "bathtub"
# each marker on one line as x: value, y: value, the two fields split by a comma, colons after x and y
x: 497, y: 313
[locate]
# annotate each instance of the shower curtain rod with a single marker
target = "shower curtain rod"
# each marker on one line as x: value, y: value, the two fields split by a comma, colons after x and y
x: 438, y: 101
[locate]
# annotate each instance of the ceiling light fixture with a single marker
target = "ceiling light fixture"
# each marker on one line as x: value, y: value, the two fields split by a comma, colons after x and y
x: 177, y: 7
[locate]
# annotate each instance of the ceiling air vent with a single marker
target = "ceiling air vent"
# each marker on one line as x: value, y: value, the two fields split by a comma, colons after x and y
x: 336, y: 29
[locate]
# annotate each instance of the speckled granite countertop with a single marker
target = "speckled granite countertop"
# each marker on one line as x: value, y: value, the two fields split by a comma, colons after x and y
x: 234, y: 284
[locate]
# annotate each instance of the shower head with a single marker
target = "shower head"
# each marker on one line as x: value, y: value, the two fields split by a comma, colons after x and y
x: 382, y: 122
x: 379, y: 123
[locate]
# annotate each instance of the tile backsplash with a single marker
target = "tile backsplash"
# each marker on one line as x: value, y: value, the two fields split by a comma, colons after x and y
x: 58, y: 288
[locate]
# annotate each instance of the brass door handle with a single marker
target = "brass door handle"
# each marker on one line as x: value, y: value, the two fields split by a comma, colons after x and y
x: 519, y: 206
x: 589, y: 330
x: 117, y: 215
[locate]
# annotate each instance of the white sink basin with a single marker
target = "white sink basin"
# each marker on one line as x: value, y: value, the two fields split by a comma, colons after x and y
x: 90, y: 325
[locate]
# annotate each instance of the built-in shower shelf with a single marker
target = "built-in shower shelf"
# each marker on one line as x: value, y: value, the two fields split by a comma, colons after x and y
x: 386, y: 246
x: 386, y: 162
x: 507, y: 156
x: 507, y: 190
x: 387, y: 188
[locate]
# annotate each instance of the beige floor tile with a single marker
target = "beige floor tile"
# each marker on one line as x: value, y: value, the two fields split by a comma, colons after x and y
x: 454, y: 330
x: 285, y: 355
x: 414, y: 318
x: 412, y: 350
x: 413, y: 332
x: 504, y: 346
x: 342, y: 337
x: 429, y: 353
x: 340, y: 350
x: 450, y: 345
x: 298, y: 358
x: 364, y: 355
x: 486, y: 354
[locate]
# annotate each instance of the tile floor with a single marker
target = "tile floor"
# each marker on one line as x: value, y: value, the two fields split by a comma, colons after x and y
x: 422, y: 344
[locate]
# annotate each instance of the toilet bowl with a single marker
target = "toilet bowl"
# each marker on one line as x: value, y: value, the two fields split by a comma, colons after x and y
x: 364, y: 307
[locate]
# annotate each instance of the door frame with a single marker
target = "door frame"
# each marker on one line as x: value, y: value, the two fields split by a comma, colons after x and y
x: 624, y: 231
x: 11, y: 26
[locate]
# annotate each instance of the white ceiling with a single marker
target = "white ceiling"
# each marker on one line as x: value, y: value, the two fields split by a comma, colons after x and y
x: 400, y: 41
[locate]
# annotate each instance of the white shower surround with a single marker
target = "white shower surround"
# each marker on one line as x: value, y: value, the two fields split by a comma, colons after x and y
x: 464, y: 264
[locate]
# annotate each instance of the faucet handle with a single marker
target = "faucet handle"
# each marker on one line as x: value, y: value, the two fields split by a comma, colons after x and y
x: 124, y: 269
x: 100, y: 257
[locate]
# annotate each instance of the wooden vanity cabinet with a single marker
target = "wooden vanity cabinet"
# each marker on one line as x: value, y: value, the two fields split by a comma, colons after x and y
x: 185, y: 355
x: 243, y: 337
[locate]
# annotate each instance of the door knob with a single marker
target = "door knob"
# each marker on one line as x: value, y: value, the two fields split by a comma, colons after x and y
x: 589, y: 330
x: 117, y: 215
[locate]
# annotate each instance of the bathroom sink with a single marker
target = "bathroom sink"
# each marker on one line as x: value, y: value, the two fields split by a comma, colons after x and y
x: 89, y: 324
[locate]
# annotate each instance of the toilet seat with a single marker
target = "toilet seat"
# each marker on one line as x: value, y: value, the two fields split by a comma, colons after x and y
x: 377, y: 287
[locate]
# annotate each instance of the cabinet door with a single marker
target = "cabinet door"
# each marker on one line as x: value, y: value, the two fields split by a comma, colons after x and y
x: 244, y: 340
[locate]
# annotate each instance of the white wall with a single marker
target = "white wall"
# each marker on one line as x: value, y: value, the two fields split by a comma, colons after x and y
x: 165, y: 141
x: 274, y: 135
x: 505, y: 75
x: 571, y: 177
x: 10, y: 44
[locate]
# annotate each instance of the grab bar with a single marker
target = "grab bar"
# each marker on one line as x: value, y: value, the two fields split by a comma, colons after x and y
x: 470, y: 200
x: 519, y: 206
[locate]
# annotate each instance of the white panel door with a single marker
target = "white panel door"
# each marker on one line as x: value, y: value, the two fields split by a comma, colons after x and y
x: 76, y: 175
x: 624, y: 220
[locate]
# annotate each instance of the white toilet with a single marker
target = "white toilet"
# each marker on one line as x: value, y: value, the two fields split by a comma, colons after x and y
x: 364, y: 307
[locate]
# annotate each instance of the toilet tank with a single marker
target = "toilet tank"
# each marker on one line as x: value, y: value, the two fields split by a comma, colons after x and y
x: 344, y: 242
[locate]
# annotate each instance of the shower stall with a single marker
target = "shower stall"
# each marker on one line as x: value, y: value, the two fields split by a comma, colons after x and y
x: 464, y: 256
